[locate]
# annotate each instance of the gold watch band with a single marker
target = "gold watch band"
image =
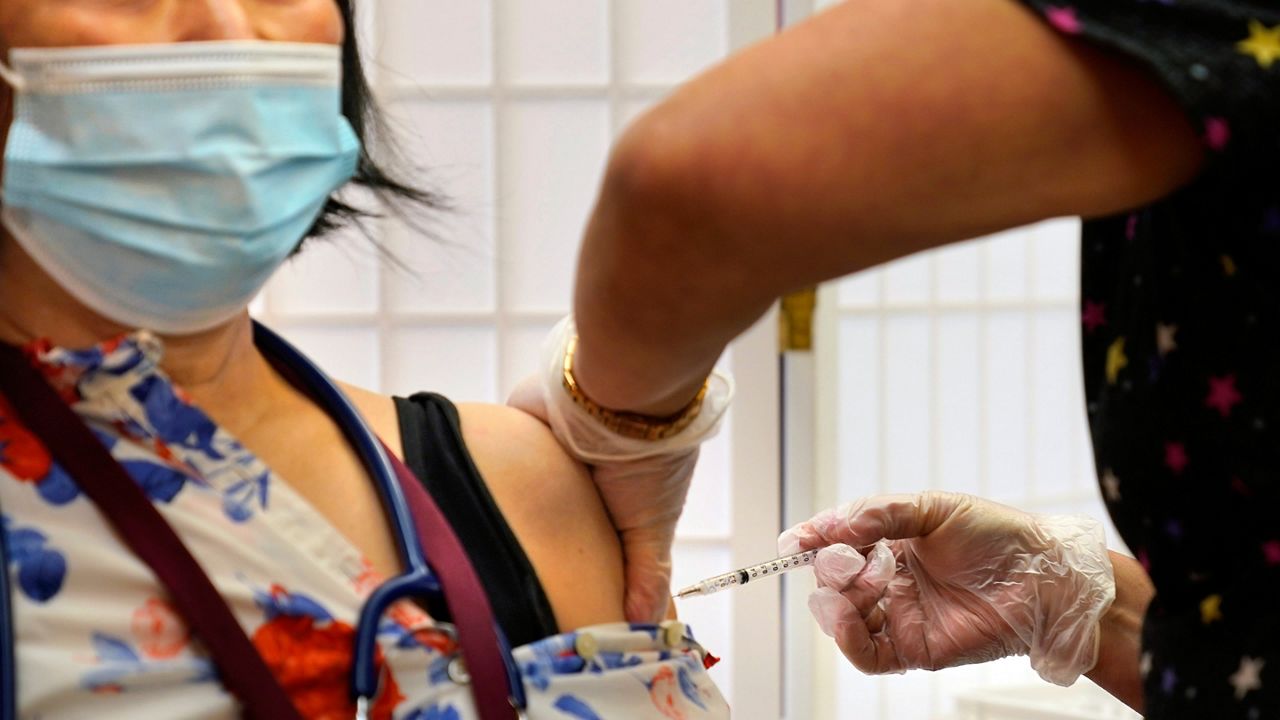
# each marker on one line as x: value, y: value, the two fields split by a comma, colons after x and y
x: 628, y: 424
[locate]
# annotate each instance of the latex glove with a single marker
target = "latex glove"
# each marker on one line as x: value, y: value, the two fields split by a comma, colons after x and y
x: 643, y: 483
x: 952, y: 579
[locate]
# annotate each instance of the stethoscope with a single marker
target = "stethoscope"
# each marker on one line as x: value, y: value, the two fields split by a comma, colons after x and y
x: 417, y: 581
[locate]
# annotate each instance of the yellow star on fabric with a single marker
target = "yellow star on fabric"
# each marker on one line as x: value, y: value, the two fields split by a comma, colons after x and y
x: 1211, y: 609
x: 1116, y: 360
x: 1166, y: 338
x: 1263, y: 44
x: 1228, y: 266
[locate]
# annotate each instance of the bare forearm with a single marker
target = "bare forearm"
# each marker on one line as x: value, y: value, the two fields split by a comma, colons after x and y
x: 1118, y: 656
x: 835, y: 147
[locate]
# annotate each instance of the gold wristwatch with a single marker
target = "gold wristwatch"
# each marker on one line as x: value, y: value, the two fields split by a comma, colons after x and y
x: 628, y: 424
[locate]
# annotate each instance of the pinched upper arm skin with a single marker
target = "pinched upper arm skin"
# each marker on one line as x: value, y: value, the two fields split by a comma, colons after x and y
x: 552, y: 506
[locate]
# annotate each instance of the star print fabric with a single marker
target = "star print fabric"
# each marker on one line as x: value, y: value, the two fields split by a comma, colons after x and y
x: 1181, y: 348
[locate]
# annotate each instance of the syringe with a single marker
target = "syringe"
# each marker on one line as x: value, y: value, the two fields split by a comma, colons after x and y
x: 747, y: 574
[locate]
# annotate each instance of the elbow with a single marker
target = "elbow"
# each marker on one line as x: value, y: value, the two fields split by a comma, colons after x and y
x: 656, y: 176
x: 663, y: 201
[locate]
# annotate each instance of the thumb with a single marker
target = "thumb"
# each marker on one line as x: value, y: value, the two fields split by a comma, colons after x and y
x: 648, y: 577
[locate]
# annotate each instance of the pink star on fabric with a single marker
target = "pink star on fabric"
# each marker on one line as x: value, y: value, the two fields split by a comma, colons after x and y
x: 1223, y: 394
x: 1064, y: 18
x: 1271, y: 551
x: 1094, y: 315
x: 1131, y: 227
x: 1217, y: 133
x: 1175, y: 456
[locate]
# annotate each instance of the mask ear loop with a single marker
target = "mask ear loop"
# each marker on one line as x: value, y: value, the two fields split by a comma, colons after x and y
x: 9, y: 76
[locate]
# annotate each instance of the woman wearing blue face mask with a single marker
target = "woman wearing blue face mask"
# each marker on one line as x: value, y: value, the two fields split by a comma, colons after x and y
x: 162, y: 158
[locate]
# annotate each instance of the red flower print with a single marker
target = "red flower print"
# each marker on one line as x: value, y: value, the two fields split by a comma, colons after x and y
x: 311, y: 660
x: 21, y: 453
x: 664, y: 691
x: 161, y: 633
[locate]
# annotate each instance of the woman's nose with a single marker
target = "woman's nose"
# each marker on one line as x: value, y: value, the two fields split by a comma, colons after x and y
x: 215, y: 20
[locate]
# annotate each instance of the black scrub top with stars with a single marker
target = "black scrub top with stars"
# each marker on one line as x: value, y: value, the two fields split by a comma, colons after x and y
x: 1181, y: 349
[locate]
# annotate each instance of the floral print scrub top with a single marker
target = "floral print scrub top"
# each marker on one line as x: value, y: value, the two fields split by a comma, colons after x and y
x: 1181, y: 338
x: 96, y: 636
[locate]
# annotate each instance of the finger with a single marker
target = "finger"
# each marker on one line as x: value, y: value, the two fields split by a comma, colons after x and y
x: 884, y: 517
x: 646, y: 599
x: 837, y: 565
x: 876, y: 618
x: 862, y: 582
x: 528, y: 396
x: 798, y: 539
x: 840, y: 620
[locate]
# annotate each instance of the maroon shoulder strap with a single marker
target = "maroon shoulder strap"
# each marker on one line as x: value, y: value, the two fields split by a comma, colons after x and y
x: 464, y: 595
x: 145, y: 531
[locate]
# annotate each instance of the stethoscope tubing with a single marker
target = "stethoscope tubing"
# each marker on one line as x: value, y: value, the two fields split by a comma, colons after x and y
x: 8, y: 643
x: 418, y: 580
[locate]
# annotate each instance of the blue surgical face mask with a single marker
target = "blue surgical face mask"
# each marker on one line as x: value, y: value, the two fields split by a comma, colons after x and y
x: 162, y: 185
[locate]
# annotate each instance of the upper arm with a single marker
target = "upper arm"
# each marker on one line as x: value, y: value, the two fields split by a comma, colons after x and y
x: 870, y: 132
x: 878, y: 129
x: 553, y: 508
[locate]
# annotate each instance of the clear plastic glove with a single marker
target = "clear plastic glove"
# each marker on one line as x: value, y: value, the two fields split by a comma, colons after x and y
x: 951, y: 579
x: 643, y: 483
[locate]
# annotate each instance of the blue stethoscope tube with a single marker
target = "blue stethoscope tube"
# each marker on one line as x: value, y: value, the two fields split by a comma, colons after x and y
x: 8, y: 643
x: 417, y: 581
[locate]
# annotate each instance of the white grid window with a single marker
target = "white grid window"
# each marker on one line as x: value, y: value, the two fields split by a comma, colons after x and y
x: 510, y: 107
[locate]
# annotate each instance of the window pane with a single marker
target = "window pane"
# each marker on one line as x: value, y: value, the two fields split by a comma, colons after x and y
x: 555, y: 42
x: 448, y: 257
x: 336, y: 275
x: 458, y: 362
x: 666, y: 41
x: 442, y: 42
x: 554, y: 152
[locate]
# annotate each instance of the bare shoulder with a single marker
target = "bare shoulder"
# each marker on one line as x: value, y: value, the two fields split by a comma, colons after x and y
x: 553, y: 508
x: 547, y: 498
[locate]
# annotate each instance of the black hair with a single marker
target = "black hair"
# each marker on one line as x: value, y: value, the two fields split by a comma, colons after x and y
x: 361, y: 110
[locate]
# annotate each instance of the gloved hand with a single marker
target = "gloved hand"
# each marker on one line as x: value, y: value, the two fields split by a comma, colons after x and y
x: 643, y: 483
x: 952, y: 579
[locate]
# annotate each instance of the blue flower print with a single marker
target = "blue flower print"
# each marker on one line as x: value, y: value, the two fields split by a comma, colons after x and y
x: 176, y: 422
x: 41, y: 569
x: 245, y: 496
x: 537, y: 673
x: 122, y: 663
x: 112, y: 649
x: 689, y: 689
x: 575, y: 708
x: 278, y: 601
x: 57, y: 488
x: 435, y: 712
x: 160, y: 482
